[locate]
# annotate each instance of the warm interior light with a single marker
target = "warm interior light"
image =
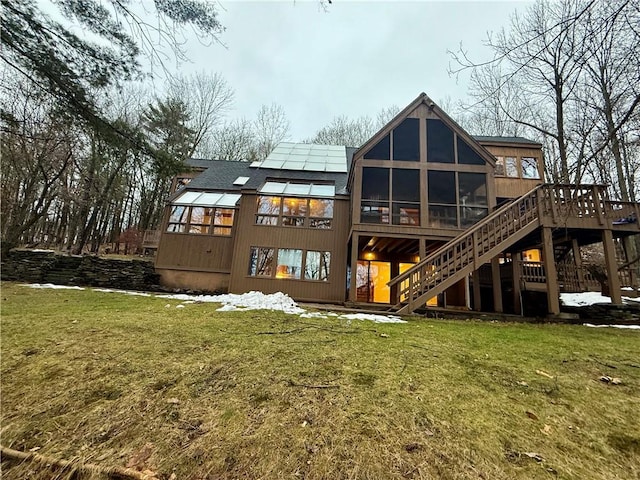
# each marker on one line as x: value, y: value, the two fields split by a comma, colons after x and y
x: 369, y: 256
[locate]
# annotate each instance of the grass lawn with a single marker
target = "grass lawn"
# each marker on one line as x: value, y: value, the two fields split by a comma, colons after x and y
x: 113, y: 379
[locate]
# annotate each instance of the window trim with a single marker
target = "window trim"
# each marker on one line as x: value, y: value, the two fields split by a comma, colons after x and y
x: 309, y: 221
x: 212, y: 228
x: 275, y: 253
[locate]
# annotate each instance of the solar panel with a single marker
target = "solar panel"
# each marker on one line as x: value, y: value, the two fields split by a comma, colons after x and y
x: 306, y: 157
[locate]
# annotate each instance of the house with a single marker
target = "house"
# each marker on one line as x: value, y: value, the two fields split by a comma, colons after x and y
x: 422, y: 214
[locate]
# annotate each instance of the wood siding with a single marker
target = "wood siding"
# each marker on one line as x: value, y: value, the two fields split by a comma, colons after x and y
x: 332, y: 240
x: 205, y: 253
x: 514, y: 187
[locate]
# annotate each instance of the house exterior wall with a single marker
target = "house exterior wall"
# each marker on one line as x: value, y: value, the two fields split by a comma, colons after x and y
x: 514, y: 187
x: 194, y: 261
x: 333, y: 240
x: 376, y: 235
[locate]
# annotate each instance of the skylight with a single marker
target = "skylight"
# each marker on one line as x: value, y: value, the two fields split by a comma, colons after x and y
x: 207, y: 199
x: 241, y: 180
x: 298, y: 189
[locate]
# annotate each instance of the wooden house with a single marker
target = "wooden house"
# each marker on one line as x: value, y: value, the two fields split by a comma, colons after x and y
x: 422, y: 214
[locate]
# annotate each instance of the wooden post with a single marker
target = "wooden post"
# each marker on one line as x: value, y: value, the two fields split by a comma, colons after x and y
x: 394, y: 272
x: 612, y: 267
x: 577, y: 258
x: 553, y: 293
x: 516, y: 260
x: 497, y: 285
x: 477, y: 303
x: 353, y: 289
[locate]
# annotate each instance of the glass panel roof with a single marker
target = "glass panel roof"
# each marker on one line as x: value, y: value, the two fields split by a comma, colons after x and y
x: 273, y: 187
x: 298, y: 156
x: 298, y: 189
x: 208, y: 199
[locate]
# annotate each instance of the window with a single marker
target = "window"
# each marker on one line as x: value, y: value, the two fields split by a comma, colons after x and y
x: 320, y: 213
x: 442, y: 187
x: 406, y: 140
x: 295, y: 212
x: 181, y: 182
x: 439, y: 142
x: 380, y: 151
x: 178, y: 219
x: 374, y: 212
x: 472, y: 192
x: 201, y: 220
x: 261, y: 262
x: 467, y: 155
x: 223, y: 221
x: 530, y: 167
x: 500, y: 166
x: 406, y: 196
x: 442, y: 199
x: 316, y: 266
x: 511, y: 166
x: 290, y: 264
x: 375, y: 183
x: 268, y: 210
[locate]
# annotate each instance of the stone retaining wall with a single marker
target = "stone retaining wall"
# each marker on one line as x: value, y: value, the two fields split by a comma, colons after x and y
x: 50, y: 267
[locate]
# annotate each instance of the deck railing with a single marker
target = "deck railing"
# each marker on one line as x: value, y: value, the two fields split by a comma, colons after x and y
x: 151, y: 239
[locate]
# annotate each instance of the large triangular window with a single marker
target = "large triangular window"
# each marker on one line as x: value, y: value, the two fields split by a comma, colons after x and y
x: 467, y: 155
x: 380, y: 151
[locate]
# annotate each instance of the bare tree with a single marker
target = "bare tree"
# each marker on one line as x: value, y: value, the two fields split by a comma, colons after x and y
x: 353, y: 132
x: 233, y: 141
x: 37, y: 149
x: 208, y: 97
x: 566, y: 73
x: 271, y: 127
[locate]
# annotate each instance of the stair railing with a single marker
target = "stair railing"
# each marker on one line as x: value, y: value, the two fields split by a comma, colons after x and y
x: 469, y: 246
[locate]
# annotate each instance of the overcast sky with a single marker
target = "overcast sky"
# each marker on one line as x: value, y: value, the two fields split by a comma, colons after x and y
x: 352, y: 59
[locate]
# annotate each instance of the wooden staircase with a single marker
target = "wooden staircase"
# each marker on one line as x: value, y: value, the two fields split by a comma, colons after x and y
x: 550, y: 205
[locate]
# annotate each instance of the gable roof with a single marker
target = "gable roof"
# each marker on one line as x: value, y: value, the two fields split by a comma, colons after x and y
x: 431, y: 105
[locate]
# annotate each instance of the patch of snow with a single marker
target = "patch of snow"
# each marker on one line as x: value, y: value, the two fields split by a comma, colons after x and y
x: 56, y: 287
x: 373, y: 317
x: 41, y: 250
x: 589, y: 298
x: 630, y: 327
x: 313, y: 315
x: 248, y: 301
x: 126, y: 292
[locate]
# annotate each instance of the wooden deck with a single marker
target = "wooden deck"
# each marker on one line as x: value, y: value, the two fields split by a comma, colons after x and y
x: 582, y: 212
